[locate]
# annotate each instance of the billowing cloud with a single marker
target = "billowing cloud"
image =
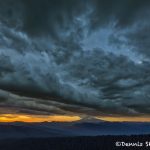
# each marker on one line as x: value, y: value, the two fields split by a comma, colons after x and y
x: 74, y: 57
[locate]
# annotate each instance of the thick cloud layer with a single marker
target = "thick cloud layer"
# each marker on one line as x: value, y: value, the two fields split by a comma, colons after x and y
x: 75, y: 57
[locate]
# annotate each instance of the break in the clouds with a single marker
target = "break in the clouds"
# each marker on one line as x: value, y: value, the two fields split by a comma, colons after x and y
x: 75, y: 57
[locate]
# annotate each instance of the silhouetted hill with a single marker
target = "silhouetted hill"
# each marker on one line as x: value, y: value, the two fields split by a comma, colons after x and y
x: 64, y: 129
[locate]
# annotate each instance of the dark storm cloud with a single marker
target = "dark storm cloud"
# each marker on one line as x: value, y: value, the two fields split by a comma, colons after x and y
x: 45, y: 68
x: 50, y: 16
x: 44, y: 16
x: 140, y: 39
x: 135, y: 31
x: 5, y: 65
x: 118, y: 80
x: 125, y: 12
x: 38, y: 17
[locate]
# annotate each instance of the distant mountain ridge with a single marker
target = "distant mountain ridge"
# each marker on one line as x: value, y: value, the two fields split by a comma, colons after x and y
x: 84, y: 127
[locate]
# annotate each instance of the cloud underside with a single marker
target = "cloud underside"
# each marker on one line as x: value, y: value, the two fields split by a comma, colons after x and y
x: 72, y: 57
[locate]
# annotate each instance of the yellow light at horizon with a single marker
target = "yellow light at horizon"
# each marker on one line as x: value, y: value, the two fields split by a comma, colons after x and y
x: 64, y: 118
x: 36, y: 118
x: 125, y: 119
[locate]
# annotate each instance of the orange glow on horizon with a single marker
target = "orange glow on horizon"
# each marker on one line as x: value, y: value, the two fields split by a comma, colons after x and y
x: 62, y: 118
x: 125, y: 119
x: 36, y: 118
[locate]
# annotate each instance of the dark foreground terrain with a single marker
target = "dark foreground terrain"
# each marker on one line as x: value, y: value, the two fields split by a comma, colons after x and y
x: 71, y: 129
x: 75, y: 143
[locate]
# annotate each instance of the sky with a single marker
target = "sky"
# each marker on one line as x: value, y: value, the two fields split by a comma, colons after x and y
x: 66, y: 59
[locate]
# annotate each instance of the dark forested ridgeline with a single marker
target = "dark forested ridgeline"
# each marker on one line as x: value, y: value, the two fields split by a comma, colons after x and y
x: 78, y: 143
